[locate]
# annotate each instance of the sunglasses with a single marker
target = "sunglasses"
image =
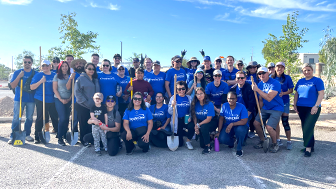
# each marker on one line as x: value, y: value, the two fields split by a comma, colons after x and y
x: 178, y: 61
x: 218, y: 61
x: 90, y: 69
x: 181, y: 89
x: 110, y: 101
x: 253, y: 66
x: 106, y: 65
x: 240, y: 78
x: 137, y: 99
x: 217, y: 75
x: 240, y: 65
x: 27, y: 62
x: 263, y: 73
x: 44, y: 65
x: 121, y: 69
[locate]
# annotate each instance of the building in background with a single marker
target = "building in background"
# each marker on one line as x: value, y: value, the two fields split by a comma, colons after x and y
x: 311, y: 58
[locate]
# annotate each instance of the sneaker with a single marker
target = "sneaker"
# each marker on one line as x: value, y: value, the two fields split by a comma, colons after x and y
x: 289, y: 145
x: 86, y: 144
x: 61, y: 142
x: 98, y: 153
x: 207, y: 150
x: 279, y: 142
x: 274, y: 148
x: 239, y: 153
x: 29, y: 139
x: 304, y: 150
x: 131, y: 152
x: 307, y: 154
x: 189, y: 146
x: 37, y: 141
x: 10, y: 141
x: 251, y: 135
x: 259, y: 145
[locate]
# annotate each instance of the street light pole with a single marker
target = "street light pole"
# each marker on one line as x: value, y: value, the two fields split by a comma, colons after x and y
x: 121, y: 50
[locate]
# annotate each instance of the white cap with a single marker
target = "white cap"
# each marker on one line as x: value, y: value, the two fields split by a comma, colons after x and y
x: 46, y: 62
x: 216, y: 72
x: 262, y: 69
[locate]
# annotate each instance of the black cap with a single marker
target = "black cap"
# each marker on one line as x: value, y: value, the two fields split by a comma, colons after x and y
x: 56, y: 59
x: 175, y: 58
x: 240, y: 62
x: 117, y: 55
x: 111, y: 97
x: 135, y: 59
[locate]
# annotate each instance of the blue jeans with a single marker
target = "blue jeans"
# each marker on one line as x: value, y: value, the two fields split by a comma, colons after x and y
x: 228, y: 138
x: 30, y: 106
x: 63, y: 111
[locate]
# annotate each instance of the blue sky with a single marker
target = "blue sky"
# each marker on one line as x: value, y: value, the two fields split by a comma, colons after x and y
x: 162, y: 28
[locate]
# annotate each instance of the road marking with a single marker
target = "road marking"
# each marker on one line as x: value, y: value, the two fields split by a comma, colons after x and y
x: 248, y: 169
x: 58, y: 173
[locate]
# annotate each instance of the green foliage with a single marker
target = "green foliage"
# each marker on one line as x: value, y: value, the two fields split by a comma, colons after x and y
x: 285, y: 48
x: 4, y: 72
x: 75, y: 42
x: 184, y: 62
x: 328, y: 55
x: 19, y: 59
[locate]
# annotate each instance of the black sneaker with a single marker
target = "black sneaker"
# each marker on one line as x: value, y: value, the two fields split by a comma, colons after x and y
x: 61, y: 142
x: 37, y: 141
x: 274, y: 148
x: 131, y: 152
x: 86, y: 144
x: 206, y: 150
x: 304, y: 150
x: 259, y: 145
x: 307, y: 154
x: 239, y: 153
x: 98, y: 153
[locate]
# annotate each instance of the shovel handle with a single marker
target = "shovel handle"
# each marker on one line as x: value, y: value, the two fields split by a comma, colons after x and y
x: 132, y: 89
x: 174, y: 108
x: 256, y: 97
x: 72, y: 103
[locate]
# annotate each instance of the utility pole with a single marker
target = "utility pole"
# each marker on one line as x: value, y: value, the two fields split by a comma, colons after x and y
x: 121, y: 50
x: 252, y: 55
x: 12, y: 63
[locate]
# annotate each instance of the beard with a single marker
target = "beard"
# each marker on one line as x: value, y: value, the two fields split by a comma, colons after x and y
x: 79, y: 69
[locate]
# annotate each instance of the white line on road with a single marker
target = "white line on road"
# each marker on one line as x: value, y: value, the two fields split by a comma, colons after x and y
x: 58, y: 173
x: 248, y: 169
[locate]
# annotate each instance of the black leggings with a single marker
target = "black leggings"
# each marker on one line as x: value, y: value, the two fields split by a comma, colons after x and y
x: 113, y: 142
x: 49, y: 108
x: 83, y: 115
x: 159, y: 138
x: 204, y: 131
x: 136, y: 136
x: 308, y: 122
x: 181, y: 132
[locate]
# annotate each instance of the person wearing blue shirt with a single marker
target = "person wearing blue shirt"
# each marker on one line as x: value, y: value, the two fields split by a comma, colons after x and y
x: 307, y: 103
x: 27, y: 99
x: 192, y: 66
x: 148, y: 68
x: 217, y: 90
x: 55, y: 63
x: 176, y: 69
x: 199, y: 81
x: 240, y: 65
x: 182, y: 112
x: 232, y: 122
x: 157, y: 80
x: 138, y: 123
x: 123, y: 100
x: 46, y: 76
x: 271, y: 111
x: 108, y: 81
x: 229, y: 75
x: 95, y: 61
x: 218, y: 64
x: 203, y: 116
x: 286, y: 89
x: 161, y: 118
x: 117, y: 61
x: 251, y: 70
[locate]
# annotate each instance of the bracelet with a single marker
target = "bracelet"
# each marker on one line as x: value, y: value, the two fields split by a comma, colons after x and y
x: 100, y: 123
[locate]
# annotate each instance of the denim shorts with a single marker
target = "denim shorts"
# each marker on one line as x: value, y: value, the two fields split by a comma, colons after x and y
x: 286, y: 108
x: 271, y: 116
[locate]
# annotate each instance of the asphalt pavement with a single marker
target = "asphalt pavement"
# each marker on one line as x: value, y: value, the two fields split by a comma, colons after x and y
x: 53, y: 166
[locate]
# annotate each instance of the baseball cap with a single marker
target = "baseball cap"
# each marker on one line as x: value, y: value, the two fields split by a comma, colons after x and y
x: 271, y: 64
x: 117, y: 55
x: 218, y: 58
x: 262, y: 69
x: 175, y: 58
x: 240, y: 62
x: 207, y: 58
x: 120, y: 66
x: 135, y: 59
x: 199, y: 70
x: 111, y: 97
x: 98, y: 95
x: 46, y: 62
x: 156, y: 62
x: 56, y: 59
x: 216, y: 72
x: 280, y: 64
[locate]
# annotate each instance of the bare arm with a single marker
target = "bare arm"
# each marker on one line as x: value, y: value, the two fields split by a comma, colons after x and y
x: 167, y: 122
x: 55, y: 89
x: 207, y: 120
x: 35, y: 85
x: 17, y: 80
x: 106, y: 119
x: 319, y: 98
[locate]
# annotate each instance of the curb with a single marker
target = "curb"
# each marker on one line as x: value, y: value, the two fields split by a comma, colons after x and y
x: 10, y: 119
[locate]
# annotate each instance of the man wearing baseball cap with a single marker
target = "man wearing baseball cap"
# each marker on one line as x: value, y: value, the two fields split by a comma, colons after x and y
x: 117, y: 60
x: 218, y: 64
x: 240, y: 65
x: 157, y: 80
x: 136, y: 65
x: 208, y: 70
x: 271, y: 68
x: 180, y: 73
x: 273, y: 106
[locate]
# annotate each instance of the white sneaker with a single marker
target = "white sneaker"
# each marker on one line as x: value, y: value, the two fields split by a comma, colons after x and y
x: 29, y: 138
x: 189, y: 146
x: 10, y: 141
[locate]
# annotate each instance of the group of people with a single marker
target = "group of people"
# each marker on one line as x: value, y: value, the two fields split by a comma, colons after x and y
x: 136, y: 106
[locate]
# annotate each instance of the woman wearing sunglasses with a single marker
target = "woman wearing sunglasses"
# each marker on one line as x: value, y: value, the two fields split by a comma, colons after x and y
x: 232, y: 122
x: 203, y: 113
x: 85, y: 87
x: 192, y: 66
x: 182, y: 114
x: 251, y: 70
x: 108, y: 81
x: 200, y: 82
x: 138, y: 123
x: 114, y: 124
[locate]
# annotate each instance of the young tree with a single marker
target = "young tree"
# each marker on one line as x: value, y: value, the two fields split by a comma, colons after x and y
x: 19, y: 59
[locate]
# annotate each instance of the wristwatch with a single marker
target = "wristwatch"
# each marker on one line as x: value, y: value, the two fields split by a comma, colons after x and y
x: 198, y: 125
x: 317, y: 106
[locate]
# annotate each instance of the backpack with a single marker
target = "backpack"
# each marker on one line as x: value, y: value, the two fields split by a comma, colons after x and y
x: 26, y: 86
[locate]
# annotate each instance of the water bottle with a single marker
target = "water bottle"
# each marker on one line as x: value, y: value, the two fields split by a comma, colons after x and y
x: 186, y: 117
x: 216, y: 145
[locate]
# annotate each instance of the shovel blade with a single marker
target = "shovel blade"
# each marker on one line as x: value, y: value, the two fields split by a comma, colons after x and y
x: 42, y: 139
x: 172, y: 142
x: 19, y: 138
x: 74, y: 139
x: 47, y: 136
x: 266, y: 145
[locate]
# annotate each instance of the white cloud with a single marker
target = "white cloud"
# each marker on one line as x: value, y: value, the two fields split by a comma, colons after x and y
x: 198, y: 7
x: 207, y: 2
x: 113, y: 7
x: 226, y: 18
x: 314, y: 18
x: 323, y: 2
x: 264, y: 12
x: 110, y: 6
x: 63, y: 1
x: 16, y: 2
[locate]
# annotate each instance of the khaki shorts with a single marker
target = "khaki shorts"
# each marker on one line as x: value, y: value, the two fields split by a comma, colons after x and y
x: 271, y: 116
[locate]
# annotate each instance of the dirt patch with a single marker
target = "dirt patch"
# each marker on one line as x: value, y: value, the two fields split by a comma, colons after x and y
x: 6, y: 107
x: 329, y: 106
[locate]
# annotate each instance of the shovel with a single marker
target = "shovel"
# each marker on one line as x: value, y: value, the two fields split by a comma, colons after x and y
x: 44, y: 135
x: 72, y: 137
x: 267, y: 140
x: 173, y: 141
x: 19, y: 137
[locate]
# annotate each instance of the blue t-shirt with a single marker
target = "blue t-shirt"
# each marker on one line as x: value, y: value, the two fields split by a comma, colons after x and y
x: 115, y: 71
x: 239, y: 93
x: 229, y: 75
x: 190, y: 74
x: 138, y: 118
x: 193, y: 91
x: 255, y: 78
x: 157, y: 82
x: 285, y: 85
x: 146, y: 74
x: 123, y: 83
x: 277, y: 102
x: 182, y: 105
x: 160, y: 114
x: 181, y: 76
x: 26, y: 97
x: 49, y: 93
x: 98, y: 69
x: 202, y: 112
x: 215, y: 93
x: 108, y: 84
x: 231, y: 116
x: 308, y: 91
